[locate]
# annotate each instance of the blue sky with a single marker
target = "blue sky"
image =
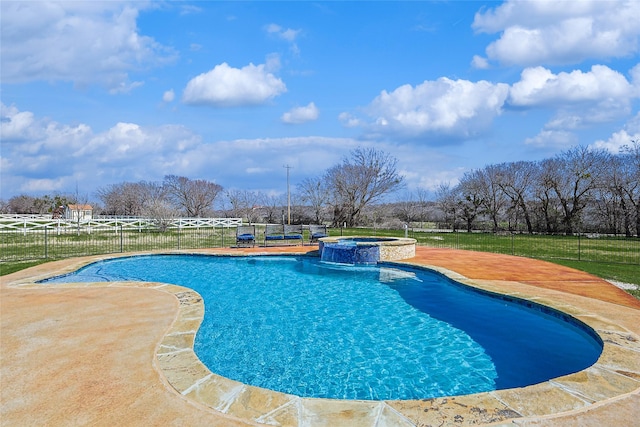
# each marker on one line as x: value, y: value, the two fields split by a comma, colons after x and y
x: 96, y: 93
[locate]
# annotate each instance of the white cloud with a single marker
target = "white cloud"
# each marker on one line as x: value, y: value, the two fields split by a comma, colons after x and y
x: 190, y: 9
x: 553, y: 139
x: 480, y: 62
x: 617, y: 140
x: 579, y: 98
x: 539, y: 86
x: 272, y: 63
x: 563, y: 32
x: 48, y: 156
x: 560, y: 32
x: 224, y: 86
x: 82, y: 42
x: 349, y: 120
x: 301, y: 114
x: 168, y: 96
x: 44, y: 154
x: 15, y: 124
x: 457, y: 108
x: 287, y: 34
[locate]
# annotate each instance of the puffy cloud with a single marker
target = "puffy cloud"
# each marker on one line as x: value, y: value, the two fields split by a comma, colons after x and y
x: 614, y: 144
x: 301, y: 114
x: 224, y: 86
x: 14, y: 124
x: 457, y: 108
x: 45, y: 154
x: 560, y: 32
x: 83, y: 42
x: 480, y: 62
x: 579, y: 98
x: 539, y: 86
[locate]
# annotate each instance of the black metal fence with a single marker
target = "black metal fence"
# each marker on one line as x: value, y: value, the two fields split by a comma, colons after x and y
x: 54, y: 243
x: 578, y: 247
x: 58, y: 243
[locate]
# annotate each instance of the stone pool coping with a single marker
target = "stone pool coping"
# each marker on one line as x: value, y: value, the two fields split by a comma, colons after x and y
x: 607, y: 393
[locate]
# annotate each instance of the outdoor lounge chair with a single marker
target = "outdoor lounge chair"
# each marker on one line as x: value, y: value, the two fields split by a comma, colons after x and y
x: 273, y: 233
x: 317, y: 232
x: 246, y: 235
x: 293, y: 232
x: 282, y: 234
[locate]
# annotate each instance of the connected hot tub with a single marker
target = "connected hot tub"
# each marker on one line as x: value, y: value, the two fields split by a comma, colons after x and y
x: 366, y: 250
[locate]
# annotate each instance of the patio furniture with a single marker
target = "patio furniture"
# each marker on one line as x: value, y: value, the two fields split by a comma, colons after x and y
x: 246, y: 235
x: 317, y: 232
x: 282, y: 233
x: 293, y: 232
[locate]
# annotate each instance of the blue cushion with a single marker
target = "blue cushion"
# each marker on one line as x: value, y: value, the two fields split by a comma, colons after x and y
x: 293, y: 236
x: 318, y: 235
x: 275, y: 237
x: 246, y: 237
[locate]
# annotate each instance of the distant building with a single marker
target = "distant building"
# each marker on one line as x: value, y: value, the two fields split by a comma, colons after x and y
x: 78, y: 212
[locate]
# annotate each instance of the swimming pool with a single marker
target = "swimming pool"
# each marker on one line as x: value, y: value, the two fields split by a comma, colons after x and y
x: 293, y: 324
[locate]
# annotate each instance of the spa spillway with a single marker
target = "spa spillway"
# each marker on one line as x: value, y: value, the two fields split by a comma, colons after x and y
x: 365, y: 250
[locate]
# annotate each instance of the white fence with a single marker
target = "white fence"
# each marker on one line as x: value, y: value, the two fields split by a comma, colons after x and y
x: 33, y: 224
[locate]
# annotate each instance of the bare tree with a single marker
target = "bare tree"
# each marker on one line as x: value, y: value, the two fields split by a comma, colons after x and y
x: 422, y: 205
x: 489, y: 192
x: 407, y: 208
x: 314, y: 192
x: 274, y: 208
x: 446, y: 200
x: 124, y: 199
x: 572, y: 176
x: 469, y: 199
x: 160, y: 211
x: 25, y: 204
x: 630, y: 177
x: 360, y: 180
x: 547, y: 209
x: 22, y: 204
x: 194, y: 197
x: 245, y: 204
x: 517, y: 181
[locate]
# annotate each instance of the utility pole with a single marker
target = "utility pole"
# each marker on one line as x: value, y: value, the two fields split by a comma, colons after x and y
x: 288, y: 196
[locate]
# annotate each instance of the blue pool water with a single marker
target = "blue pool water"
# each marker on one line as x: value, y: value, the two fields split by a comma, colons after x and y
x: 311, y: 329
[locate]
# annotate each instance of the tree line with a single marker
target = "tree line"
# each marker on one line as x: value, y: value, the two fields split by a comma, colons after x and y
x: 578, y: 190
x: 360, y: 180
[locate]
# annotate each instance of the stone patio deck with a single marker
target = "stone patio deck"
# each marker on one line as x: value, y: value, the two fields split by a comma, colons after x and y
x: 121, y: 353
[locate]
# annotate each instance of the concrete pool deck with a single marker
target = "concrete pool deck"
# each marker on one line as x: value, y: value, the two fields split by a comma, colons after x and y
x: 121, y: 353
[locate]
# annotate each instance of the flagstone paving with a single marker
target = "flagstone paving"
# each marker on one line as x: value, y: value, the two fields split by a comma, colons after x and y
x: 120, y: 353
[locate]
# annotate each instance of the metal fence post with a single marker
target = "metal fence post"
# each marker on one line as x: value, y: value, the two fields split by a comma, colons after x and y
x: 513, y: 248
x: 46, y: 241
x: 121, y: 240
x: 178, y: 237
x: 578, y: 246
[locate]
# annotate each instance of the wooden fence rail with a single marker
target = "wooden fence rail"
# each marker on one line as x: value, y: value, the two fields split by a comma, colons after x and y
x: 31, y: 224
